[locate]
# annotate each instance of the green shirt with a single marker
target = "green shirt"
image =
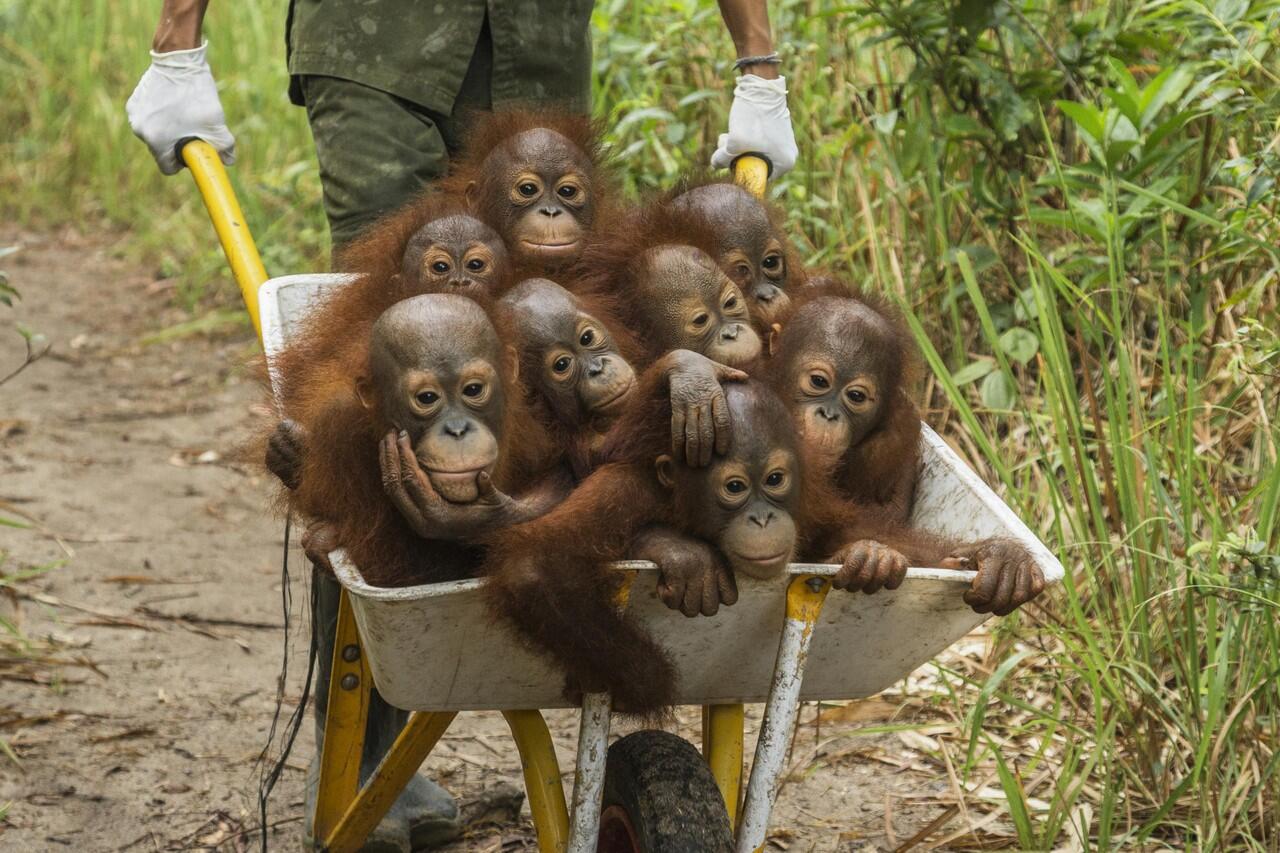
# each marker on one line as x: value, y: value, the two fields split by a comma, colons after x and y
x: 419, y: 50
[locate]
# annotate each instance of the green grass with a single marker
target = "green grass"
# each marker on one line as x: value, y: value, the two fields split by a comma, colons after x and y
x: 1085, y: 239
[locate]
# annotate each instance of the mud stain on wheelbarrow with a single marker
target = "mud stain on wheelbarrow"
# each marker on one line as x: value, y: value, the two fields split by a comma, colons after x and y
x: 145, y: 585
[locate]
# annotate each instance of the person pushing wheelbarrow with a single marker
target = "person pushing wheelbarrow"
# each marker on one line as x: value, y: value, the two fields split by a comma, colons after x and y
x: 386, y: 86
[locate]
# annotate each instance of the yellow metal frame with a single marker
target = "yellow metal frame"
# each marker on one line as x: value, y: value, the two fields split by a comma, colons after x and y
x: 228, y: 221
x: 345, y: 811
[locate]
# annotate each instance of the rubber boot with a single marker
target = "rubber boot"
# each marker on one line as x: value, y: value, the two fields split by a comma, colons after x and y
x: 424, y: 815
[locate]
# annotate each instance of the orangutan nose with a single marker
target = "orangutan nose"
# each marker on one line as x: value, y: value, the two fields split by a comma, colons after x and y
x: 553, y: 212
x: 730, y: 332
x: 828, y: 415
x: 596, y: 366
x: 457, y: 428
x: 760, y: 520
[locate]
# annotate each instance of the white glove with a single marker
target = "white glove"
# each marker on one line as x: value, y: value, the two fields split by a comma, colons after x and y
x: 759, y: 123
x: 175, y: 99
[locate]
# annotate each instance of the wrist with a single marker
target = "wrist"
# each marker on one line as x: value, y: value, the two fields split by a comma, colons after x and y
x: 765, y: 70
x: 181, y: 22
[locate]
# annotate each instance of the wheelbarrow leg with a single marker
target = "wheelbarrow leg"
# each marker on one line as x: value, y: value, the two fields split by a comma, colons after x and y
x: 344, y: 729
x: 588, y: 782
x: 722, y: 748
x: 805, y: 595
x: 415, y: 742
x: 542, y: 781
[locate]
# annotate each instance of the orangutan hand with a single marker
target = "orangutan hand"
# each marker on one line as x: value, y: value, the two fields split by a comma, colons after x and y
x: 1008, y: 576
x: 430, y: 515
x: 692, y: 577
x: 317, y: 541
x: 285, y: 450
x: 699, y: 414
x: 868, y: 565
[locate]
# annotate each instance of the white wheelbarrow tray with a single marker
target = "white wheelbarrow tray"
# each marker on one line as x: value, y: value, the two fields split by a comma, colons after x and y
x: 433, y: 648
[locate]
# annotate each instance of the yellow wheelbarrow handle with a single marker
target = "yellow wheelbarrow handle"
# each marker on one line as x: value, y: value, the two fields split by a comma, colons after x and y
x: 228, y: 221
x: 752, y: 172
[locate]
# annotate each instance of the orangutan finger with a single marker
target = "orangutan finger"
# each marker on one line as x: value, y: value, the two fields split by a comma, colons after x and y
x: 389, y: 462
x: 897, y: 570
x: 691, y: 432
x: 710, y: 594
x: 1004, y: 593
x: 1037, y: 580
x: 725, y: 373
x: 677, y: 431
x: 670, y: 594
x: 706, y: 435
x: 727, y: 585
x: 692, y: 600
x: 1021, y: 591
x: 983, y: 587
x: 723, y: 423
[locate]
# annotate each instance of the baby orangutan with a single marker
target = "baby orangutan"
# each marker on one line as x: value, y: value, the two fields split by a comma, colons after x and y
x: 843, y: 363
x: 750, y: 247
x: 411, y: 453
x: 547, y: 579
x: 533, y: 178
x: 660, y: 269
x: 427, y: 247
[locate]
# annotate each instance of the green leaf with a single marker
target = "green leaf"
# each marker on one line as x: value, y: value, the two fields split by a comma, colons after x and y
x: 1016, y: 798
x: 1260, y: 187
x: 980, y: 255
x: 973, y: 371
x: 998, y: 392
x: 1020, y: 344
x: 1086, y: 117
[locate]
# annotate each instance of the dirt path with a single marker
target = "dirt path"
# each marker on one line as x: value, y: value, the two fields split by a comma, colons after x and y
x: 157, y: 626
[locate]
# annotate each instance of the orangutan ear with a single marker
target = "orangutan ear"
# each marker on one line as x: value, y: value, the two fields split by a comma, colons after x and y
x: 470, y: 195
x: 364, y: 390
x: 665, y: 467
x: 775, y: 331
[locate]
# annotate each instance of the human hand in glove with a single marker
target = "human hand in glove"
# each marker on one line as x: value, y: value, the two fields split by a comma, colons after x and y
x: 176, y: 99
x: 759, y: 123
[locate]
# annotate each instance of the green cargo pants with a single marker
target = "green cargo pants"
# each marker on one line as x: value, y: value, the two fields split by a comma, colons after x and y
x: 376, y: 150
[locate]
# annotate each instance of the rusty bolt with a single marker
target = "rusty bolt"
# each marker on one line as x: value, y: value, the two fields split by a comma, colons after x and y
x: 349, y: 681
x: 815, y: 584
x: 351, y: 653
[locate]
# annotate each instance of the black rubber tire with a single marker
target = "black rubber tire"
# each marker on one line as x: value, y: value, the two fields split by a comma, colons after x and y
x: 660, y: 797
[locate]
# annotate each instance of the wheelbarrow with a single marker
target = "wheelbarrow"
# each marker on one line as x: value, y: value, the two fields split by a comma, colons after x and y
x: 433, y: 650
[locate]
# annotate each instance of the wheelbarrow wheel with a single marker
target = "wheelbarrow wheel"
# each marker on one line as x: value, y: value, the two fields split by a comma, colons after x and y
x: 660, y: 797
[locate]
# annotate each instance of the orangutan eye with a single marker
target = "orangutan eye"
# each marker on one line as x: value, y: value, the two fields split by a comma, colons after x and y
x: 775, y: 479
x: 701, y: 320
x: 440, y: 267
x: 567, y: 191
x: 771, y: 262
x: 562, y: 364
x: 735, y: 486
x: 426, y: 398
x: 473, y: 389
x: 475, y: 265
x: 588, y: 338
x: 731, y: 303
x: 856, y: 395
x: 817, y: 380
x: 528, y: 189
